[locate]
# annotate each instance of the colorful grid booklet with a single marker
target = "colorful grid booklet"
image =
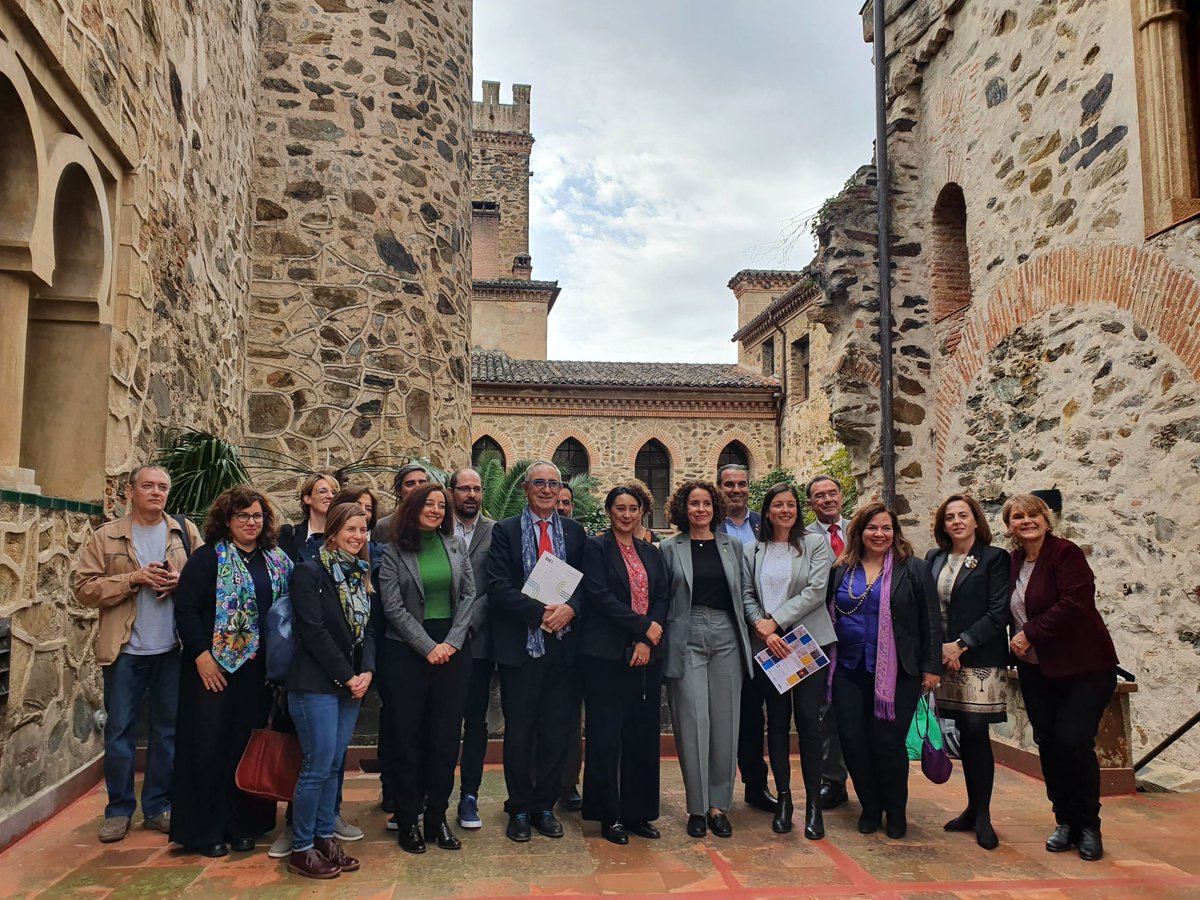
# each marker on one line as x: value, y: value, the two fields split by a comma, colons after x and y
x: 788, y: 671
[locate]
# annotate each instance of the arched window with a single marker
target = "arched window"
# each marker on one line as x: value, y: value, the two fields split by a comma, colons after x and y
x: 734, y: 454
x: 949, y: 259
x: 571, y: 458
x: 487, y: 445
x: 653, y: 467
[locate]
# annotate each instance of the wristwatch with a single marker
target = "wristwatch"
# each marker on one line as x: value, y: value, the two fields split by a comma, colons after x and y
x: 962, y: 645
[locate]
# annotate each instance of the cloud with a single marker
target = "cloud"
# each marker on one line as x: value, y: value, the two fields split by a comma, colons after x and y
x: 674, y: 142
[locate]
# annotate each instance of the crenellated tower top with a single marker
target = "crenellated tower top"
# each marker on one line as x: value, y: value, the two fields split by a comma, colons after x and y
x: 489, y: 114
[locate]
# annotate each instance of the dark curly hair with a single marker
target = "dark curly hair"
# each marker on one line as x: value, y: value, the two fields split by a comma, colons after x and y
x: 234, y: 500
x: 677, y: 505
x: 406, y: 523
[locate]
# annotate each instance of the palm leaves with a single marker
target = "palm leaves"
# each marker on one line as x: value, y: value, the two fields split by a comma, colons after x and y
x: 201, y: 466
x: 503, y: 492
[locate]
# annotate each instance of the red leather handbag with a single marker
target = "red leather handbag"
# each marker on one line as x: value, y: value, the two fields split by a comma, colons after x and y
x: 270, y: 764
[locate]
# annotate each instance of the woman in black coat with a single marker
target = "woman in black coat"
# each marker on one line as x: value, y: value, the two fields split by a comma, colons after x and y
x: 625, y: 606
x: 889, y: 633
x: 972, y: 585
x: 334, y: 664
x: 224, y: 593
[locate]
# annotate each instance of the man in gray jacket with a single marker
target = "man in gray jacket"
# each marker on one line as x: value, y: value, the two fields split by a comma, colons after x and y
x: 825, y: 499
x: 466, y: 493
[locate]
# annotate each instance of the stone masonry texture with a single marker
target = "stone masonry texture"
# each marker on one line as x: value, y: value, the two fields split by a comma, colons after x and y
x: 359, y: 310
x: 1073, y: 362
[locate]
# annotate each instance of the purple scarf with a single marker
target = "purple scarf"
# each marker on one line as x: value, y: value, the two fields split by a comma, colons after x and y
x: 885, y: 646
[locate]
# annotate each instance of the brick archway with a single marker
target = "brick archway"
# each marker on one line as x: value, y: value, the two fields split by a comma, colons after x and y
x: 640, y: 438
x: 1160, y: 296
x: 552, y: 444
x: 758, y: 464
x: 505, y: 442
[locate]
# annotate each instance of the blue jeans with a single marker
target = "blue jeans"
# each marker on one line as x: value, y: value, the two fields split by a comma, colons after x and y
x: 324, y: 723
x: 126, y: 681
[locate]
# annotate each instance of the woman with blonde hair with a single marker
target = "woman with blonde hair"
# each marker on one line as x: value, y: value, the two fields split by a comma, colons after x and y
x: 1066, y: 663
x: 303, y: 540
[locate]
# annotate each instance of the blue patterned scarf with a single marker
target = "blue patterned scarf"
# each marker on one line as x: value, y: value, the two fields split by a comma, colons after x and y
x: 235, y: 628
x: 349, y: 573
x: 535, y: 643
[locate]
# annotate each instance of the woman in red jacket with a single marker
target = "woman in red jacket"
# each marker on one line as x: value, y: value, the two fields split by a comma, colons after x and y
x: 1067, y: 666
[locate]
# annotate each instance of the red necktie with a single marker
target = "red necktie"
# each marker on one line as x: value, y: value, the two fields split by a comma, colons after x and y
x: 835, y: 541
x: 545, y: 545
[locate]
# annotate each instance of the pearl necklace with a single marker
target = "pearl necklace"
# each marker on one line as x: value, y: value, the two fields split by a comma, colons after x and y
x: 850, y: 590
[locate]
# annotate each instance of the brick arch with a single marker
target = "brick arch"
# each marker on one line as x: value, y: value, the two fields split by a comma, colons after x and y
x: 640, y: 438
x: 758, y: 464
x: 1160, y: 296
x: 552, y: 444
x: 505, y: 442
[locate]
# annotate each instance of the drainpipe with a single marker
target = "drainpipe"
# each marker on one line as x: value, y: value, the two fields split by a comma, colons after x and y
x: 887, y: 447
x: 781, y: 403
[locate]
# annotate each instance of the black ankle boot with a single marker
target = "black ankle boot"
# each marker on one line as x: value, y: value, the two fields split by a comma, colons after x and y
x: 782, y: 823
x: 814, y: 821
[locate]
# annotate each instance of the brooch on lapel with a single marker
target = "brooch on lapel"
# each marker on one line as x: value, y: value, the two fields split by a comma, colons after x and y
x: 970, y: 562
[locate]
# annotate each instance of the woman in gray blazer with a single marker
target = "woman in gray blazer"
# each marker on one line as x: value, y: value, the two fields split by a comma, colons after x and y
x: 789, y: 571
x: 428, y: 591
x: 708, y: 652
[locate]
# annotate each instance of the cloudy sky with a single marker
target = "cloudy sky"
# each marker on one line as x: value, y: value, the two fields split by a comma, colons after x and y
x: 676, y: 139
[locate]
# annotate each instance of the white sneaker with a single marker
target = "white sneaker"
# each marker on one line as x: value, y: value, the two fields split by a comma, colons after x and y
x: 281, y: 848
x: 346, y: 831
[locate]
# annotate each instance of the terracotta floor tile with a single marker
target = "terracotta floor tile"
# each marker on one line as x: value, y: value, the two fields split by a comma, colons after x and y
x: 1151, y: 841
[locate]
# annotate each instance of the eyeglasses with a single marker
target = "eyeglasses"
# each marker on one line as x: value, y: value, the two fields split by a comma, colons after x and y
x: 245, y: 517
x: 540, y: 483
x: 469, y: 489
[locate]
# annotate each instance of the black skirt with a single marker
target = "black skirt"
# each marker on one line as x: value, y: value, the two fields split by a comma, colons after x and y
x: 211, y: 734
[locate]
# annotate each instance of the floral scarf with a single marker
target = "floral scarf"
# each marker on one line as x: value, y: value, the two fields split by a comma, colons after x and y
x: 349, y: 573
x: 235, y: 627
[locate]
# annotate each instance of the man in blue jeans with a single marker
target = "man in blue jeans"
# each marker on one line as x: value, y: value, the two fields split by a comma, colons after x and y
x: 129, y: 571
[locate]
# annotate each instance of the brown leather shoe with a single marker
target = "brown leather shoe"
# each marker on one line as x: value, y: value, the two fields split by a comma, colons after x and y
x: 312, y: 864
x: 331, y: 849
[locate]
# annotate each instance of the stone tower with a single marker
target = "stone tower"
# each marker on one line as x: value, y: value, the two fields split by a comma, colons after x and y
x: 360, y: 304
x: 509, y: 309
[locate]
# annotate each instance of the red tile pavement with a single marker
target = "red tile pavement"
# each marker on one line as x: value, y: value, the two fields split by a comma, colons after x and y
x: 1152, y: 843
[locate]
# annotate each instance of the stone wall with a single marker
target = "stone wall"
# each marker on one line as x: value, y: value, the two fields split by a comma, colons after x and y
x: 500, y: 167
x: 54, y: 688
x: 1072, y: 361
x: 359, y: 325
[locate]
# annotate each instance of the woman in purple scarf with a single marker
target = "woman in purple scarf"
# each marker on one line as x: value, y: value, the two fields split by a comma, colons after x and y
x: 889, y: 628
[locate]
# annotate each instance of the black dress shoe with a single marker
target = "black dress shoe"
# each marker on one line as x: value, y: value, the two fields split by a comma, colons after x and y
x: 614, y: 833
x: 760, y: 798
x: 241, y: 845
x: 897, y: 827
x: 868, y: 823
x: 387, y: 805
x: 696, y: 826
x: 814, y: 821
x: 439, y: 833
x: 546, y: 824
x: 1091, y: 847
x: 215, y: 851
x: 718, y: 824
x: 644, y: 830
x: 833, y: 794
x: 411, y: 840
x: 571, y: 801
x: 1061, y: 840
x: 518, y: 828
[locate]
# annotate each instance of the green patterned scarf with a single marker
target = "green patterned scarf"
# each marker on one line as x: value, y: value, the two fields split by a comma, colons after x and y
x: 350, y: 575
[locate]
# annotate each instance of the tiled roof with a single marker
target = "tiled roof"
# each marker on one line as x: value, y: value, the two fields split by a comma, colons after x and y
x: 497, y: 367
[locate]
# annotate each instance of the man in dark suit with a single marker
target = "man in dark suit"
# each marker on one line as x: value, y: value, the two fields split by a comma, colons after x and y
x: 466, y: 493
x: 534, y: 646
x: 743, y: 523
x: 825, y: 498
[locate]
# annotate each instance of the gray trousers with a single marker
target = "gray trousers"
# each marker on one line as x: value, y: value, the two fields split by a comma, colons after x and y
x: 705, y: 706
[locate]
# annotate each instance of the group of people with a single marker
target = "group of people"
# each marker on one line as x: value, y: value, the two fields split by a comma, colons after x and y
x: 428, y: 604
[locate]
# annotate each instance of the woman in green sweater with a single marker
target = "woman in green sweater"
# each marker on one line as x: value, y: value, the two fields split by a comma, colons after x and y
x: 427, y: 591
